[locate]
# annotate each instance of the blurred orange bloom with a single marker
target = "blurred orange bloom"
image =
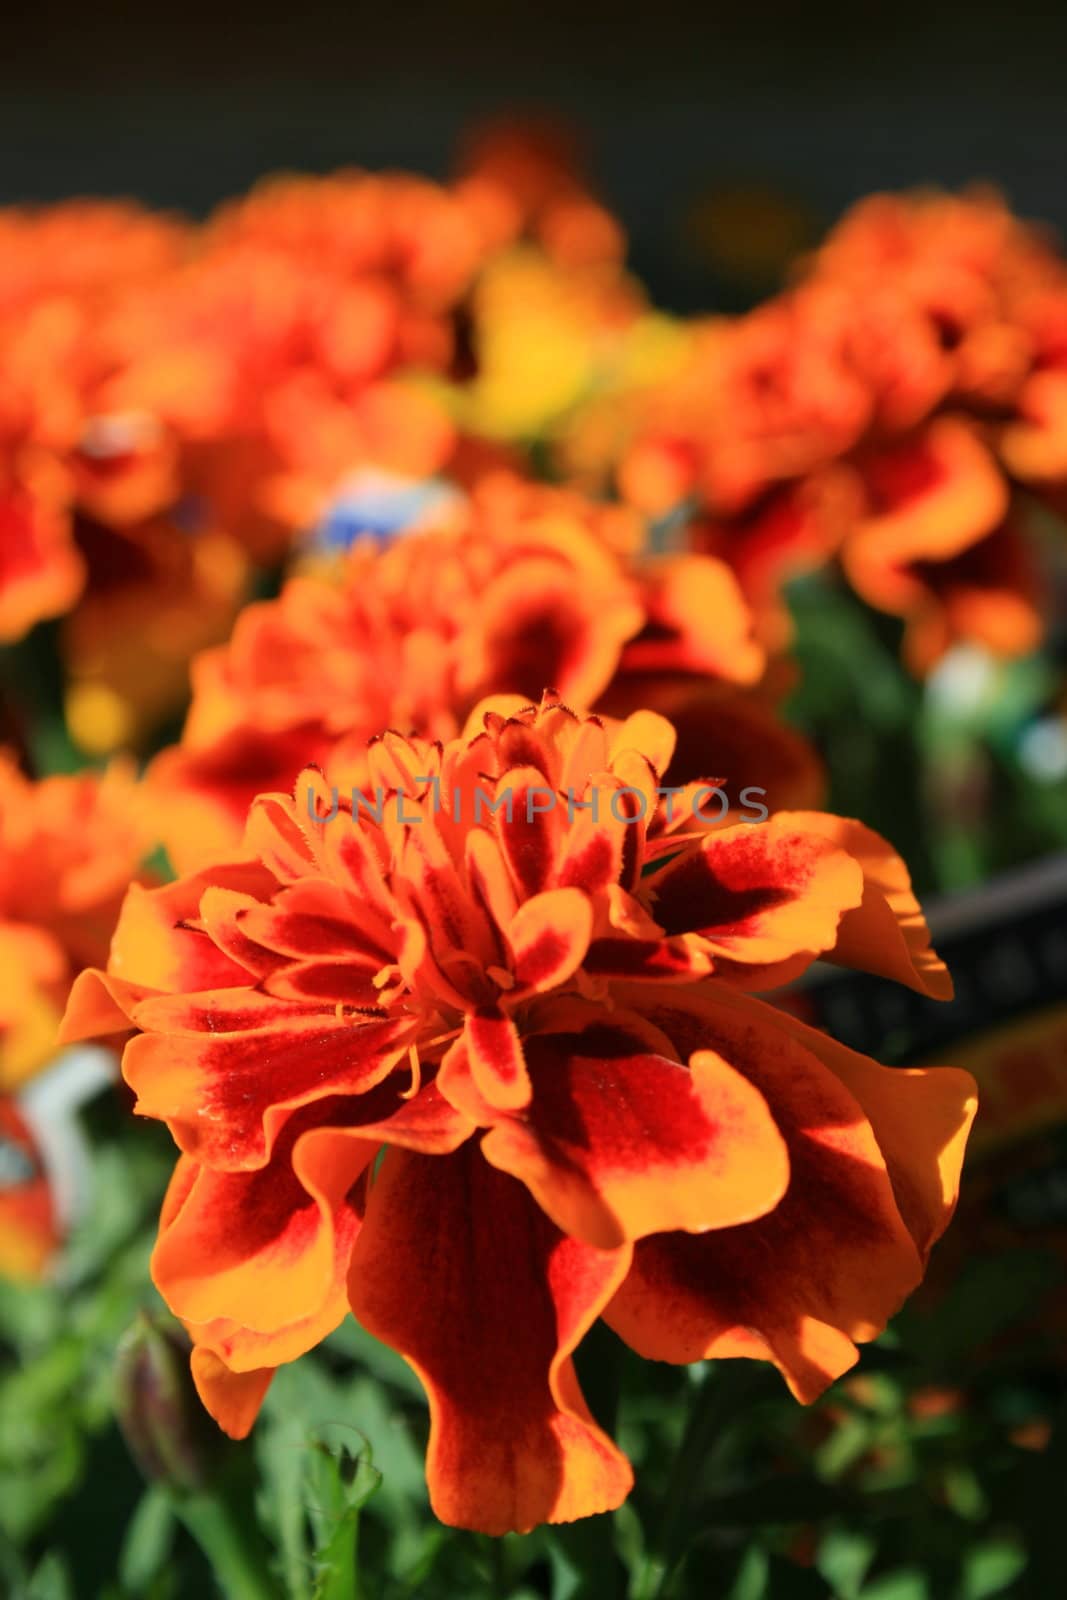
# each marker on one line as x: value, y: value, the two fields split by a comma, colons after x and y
x: 525, y: 982
x: 69, y: 847
x: 63, y: 271
x: 885, y: 407
x: 517, y: 585
x: 296, y: 345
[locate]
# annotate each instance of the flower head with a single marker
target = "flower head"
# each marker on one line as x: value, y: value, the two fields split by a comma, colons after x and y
x: 518, y: 583
x: 515, y: 966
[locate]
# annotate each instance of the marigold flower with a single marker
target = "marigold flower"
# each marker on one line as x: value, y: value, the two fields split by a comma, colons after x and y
x: 68, y: 849
x: 536, y: 1005
x: 517, y: 584
x: 882, y: 409
x: 63, y: 271
x: 288, y: 352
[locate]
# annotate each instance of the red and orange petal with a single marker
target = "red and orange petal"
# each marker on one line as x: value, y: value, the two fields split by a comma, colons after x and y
x: 497, y: 1315
x: 836, y: 1258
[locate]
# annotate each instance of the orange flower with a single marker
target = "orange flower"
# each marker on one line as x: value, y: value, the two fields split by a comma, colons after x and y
x: 524, y: 583
x: 936, y: 545
x: 885, y: 406
x: 63, y: 270
x: 507, y: 968
x: 68, y: 849
x: 289, y: 351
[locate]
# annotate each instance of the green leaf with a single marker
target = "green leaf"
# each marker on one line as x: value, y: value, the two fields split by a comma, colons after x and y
x: 149, y: 1539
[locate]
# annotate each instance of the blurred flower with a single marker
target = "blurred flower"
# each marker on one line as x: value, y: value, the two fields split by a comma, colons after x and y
x: 540, y: 1014
x: 64, y: 270
x: 884, y: 409
x: 29, y: 1230
x: 294, y: 348
x: 69, y: 847
x: 515, y: 585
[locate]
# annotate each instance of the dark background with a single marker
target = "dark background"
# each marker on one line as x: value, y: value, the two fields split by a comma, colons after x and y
x: 823, y: 103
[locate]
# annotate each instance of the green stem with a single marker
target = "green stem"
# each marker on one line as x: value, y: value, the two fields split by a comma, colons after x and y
x: 718, y: 1399
x: 235, y: 1550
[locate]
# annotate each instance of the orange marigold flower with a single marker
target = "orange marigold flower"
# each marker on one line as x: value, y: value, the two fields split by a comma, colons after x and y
x: 63, y: 271
x: 68, y: 849
x: 297, y: 343
x: 518, y: 584
x: 507, y: 967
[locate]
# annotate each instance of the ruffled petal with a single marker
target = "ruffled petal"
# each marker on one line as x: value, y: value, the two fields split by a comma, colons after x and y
x: 758, y: 892
x: 618, y: 1143
x: 457, y: 1269
x: 223, y: 1081
x: 826, y: 1268
x: 886, y: 933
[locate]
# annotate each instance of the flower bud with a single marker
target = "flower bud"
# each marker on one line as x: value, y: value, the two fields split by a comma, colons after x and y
x: 165, y: 1427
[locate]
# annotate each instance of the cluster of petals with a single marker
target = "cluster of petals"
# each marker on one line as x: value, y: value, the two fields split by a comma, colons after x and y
x: 511, y: 585
x: 477, y: 1057
x: 887, y: 409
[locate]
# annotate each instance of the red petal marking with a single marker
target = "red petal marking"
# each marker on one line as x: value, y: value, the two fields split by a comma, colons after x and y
x: 350, y: 857
x: 496, y: 1060
x: 595, y: 841
x: 619, y: 1144
x: 317, y: 918
x: 457, y: 1269
x: 224, y: 1096
x: 327, y: 982
x: 529, y: 835
x: 233, y: 1399
x: 220, y: 913
x: 829, y: 1265
x: 758, y: 892
x: 548, y: 938
x: 453, y: 919
x: 677, y: 960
